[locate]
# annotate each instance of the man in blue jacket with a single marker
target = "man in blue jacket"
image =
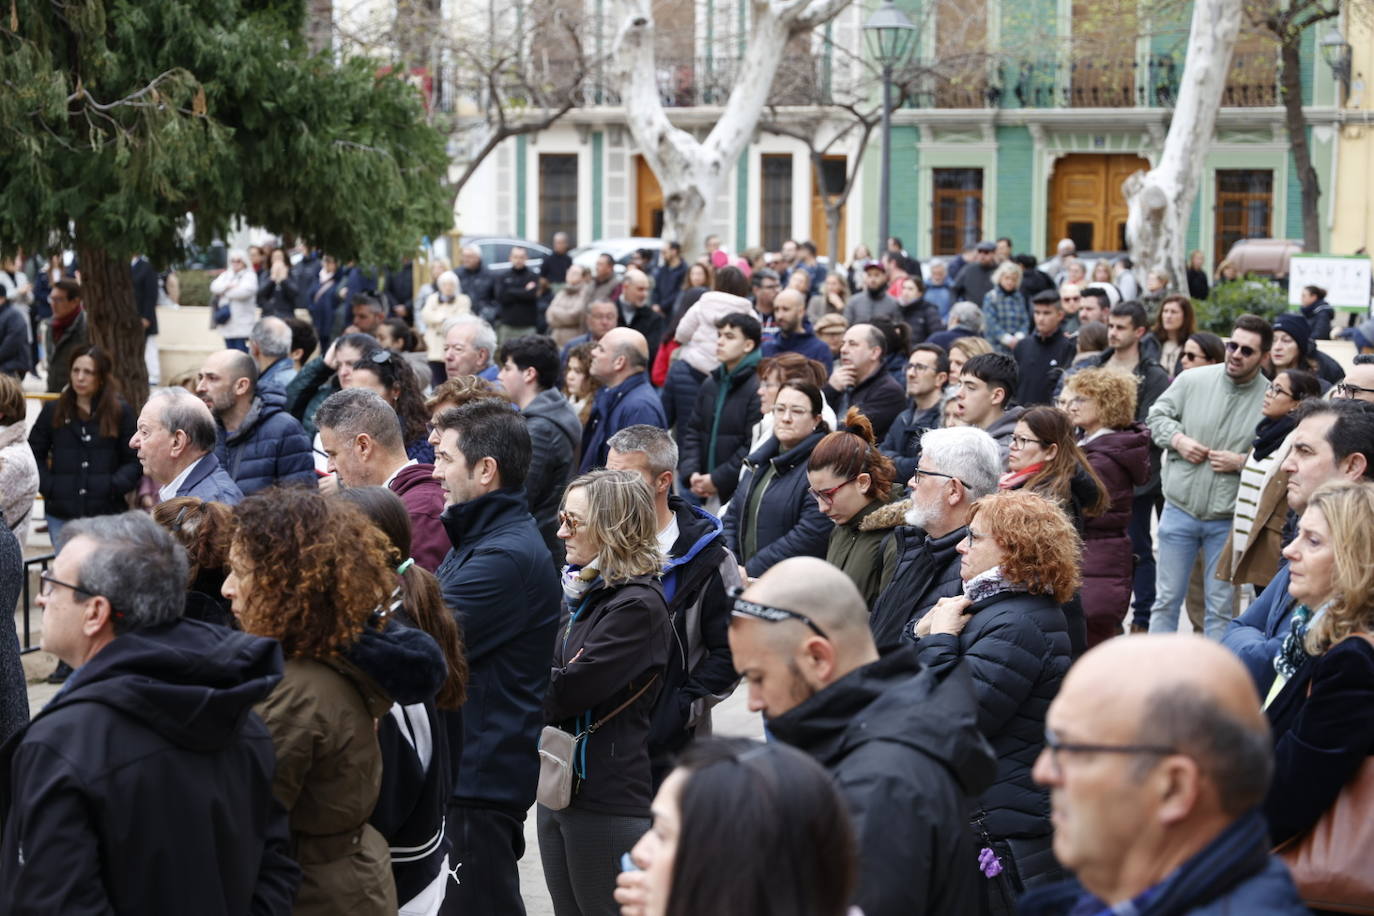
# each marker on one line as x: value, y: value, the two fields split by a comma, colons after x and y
x: 175, y: 441
x: 794, y: 331
x: 1157, y: 757
x: 260, y: 444
x: 1334, y: 440
x: 501, y: 582
x: 619, y: 361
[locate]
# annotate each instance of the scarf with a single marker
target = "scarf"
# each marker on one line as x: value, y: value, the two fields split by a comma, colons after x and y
x: 987, y: 584
x: 1270, y: 433
x: 1293, y: 652
x: 578, y: 580
x: 60, y: 326
x: 1014, y: 480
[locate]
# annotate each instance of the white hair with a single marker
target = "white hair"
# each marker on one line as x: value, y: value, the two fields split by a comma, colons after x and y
x: 967, y: 453
x: 483, y: 339
x: 966, y: 315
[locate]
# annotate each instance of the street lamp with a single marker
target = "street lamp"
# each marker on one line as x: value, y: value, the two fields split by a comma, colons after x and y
x: 1336, y: 53
x: 890, y: 36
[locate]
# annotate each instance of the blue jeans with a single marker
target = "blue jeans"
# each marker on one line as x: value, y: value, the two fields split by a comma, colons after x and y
x: 1181, y: 536
x: 236, y: 343
x: 55, y: 529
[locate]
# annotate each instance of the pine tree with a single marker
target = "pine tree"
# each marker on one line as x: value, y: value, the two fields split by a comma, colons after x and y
x: 119, y: 118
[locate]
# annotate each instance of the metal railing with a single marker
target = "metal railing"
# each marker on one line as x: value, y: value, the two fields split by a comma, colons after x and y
x: 26, y: 633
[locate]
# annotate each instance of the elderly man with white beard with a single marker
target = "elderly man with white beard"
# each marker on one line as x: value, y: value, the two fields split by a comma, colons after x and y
x: 958, y: 466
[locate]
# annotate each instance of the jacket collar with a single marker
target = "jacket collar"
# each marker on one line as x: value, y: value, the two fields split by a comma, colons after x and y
x: 746, y: 367
x: 206, y: 466
x: 474, y: 520
x: 785, y: 461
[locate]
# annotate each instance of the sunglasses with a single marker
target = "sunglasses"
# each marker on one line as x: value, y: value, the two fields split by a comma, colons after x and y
x: 770, y: 613
x: 1191, y: 355
x: 1233, y: 347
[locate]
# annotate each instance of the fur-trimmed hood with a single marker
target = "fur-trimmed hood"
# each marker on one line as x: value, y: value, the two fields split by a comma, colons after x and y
x: 887, y: 517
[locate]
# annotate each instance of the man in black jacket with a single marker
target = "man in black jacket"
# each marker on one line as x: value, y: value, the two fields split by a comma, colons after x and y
x: 517, y: 297
x: 727, y: 407
x: 861, y: 381
x: 150, y: 754
x: 927, y: 373
x: 1042, y: 357
x: 697, y: 582
x: 477, y: 283
x: 958, y: 466
x: 529, y: 371
x: 901, y: 741
x: 501, y: 582
x: 637, y: 313
x: 145, y: 298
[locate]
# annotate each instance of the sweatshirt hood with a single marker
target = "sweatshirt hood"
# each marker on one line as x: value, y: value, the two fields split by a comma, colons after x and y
x: 193, y: 683
x: 899, y: 700
x: 551, y: 405
x: 405, y: 662
x: 266, y: 403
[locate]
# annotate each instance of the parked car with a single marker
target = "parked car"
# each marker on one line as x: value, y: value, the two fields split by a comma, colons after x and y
x: 496, y: 251
x: 1264, y: 257
x: 619, y: 249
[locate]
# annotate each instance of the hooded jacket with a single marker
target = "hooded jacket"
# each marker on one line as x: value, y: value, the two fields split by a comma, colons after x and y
x: 209, y: 481
x: 903, y: 441
x: 717, y: 440
x: 787, y: 523
x: 423, y: 497
x: 555, y: 437
x: 632, y: 401
x: 151, y: 754
x: 696, y: 330
x: 612, y: 644
x: 80, y: 472
x: 501, y: 584
x: 1002, y: 428
x: 1017, y: 648
x: 1122, y: 460
x: 924, y: 570
x: 902, y: 743
x: 268, y: 448
x: 697, y: 581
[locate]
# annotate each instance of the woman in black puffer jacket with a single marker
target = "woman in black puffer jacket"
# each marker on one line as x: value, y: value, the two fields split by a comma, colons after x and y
x: 1019, y: 566
x: 81, y: 444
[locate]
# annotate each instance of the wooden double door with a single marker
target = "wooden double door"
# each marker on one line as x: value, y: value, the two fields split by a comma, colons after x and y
x: 1086, y: 203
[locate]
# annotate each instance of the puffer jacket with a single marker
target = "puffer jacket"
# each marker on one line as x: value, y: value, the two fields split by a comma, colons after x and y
x: 1122, y: 460
x: 82, y: 473
x: 555, y: 437
x: 924, y: 569
x: 679, y: 397
x: 717, y: 439
x: 788, y: 522
x: 20, y: 479
x: 612, y: 643
x: 632, y: 401
x: 268, y: 448
x: 856, y: 548
x: 901, y: 741
x: 697, y: 329
x: 1207, y: 406
x: 1017, y: 648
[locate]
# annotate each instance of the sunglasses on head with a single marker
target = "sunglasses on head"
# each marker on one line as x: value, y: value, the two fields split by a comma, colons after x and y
x: 1242, y: 349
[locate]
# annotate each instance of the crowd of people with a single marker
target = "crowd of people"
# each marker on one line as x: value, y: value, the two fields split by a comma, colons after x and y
x: 374, y: 583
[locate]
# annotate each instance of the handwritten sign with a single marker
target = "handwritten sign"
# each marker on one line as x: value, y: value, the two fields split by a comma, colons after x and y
x: 1345, y: 278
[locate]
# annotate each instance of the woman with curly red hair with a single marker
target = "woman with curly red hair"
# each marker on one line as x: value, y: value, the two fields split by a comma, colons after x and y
x: 1019, y: 567
x: 344, y: 667
x: 850, y: 480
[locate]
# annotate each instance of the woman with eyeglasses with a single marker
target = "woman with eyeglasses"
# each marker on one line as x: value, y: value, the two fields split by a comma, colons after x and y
x: 851, y: 481
x: 1101, y: 403
x: 608, y: 662
x: 1020, y: 565
x: 772, y: 515
x: 1175, y: 323
x: 324, y: 375
x: 1045, y: 459
x: 1321, y: 709
x: 773, y: 371
x: 1252, y: 554
x: 789, y: 849
x: 390, y: 375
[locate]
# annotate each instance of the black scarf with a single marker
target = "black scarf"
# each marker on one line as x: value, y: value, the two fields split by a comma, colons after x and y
x: 1270, y: 434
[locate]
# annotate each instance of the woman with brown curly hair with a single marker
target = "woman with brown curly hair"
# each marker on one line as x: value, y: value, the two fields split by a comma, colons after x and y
x: 850, y: 480
x: 204, y: 529
x: 1019, y: 567
x: 344, y: 667
x: 608, y: 663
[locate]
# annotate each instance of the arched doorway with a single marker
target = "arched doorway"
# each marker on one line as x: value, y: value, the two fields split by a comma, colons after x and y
x: 1086, y: 203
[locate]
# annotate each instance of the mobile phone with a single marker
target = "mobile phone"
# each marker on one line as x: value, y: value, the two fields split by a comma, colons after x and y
x: 626, y: 863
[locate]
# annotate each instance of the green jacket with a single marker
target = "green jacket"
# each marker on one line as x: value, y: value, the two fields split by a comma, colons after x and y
x: 1205, y: 405
x: 856, y: 549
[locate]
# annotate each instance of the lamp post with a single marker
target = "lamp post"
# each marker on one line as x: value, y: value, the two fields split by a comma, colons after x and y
x: 1336, y: 53
x: 890, y: 36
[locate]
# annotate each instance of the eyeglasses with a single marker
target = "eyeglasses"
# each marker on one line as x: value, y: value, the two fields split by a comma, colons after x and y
x: 47, y: 582
x: 782, y: 410
x: 1057, y: 747
x: 770, y: 613
x: 922, y: 472
x: 1233, y: 347
x: 1077, y: 401
x: 828, y: 496
x: 919, y: 367
x: 1351, y: 392
x: 1191, y: 355
x: 1020, y: 442
x: 569, y: 521
x: 1273, y: 389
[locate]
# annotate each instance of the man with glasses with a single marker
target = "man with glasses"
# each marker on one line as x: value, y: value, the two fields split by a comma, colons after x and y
x: 901, y: 741
x: 151, y: 753
x: 957, y: 467
x: 1157, y: 757
x: 260, y: 444
x: 1205, y: 422
x: 1358, y: 384
x: 927, y: 373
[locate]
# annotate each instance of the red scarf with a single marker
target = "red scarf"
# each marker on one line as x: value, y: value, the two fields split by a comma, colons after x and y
x: 1014, y: 480
x: 61, y: 325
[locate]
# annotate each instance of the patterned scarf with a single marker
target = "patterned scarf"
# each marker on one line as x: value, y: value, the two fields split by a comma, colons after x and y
x: 1293, y: 652
x: 988, y: 583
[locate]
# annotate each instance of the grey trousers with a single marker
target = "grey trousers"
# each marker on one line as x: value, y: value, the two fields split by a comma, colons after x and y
x: 581, y: 853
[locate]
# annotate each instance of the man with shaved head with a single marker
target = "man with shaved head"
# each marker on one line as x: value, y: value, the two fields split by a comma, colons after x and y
x: 259, y: 443
x: 1157, y: 756
x: 619, y: 362
x: 861, y: 381
x: 901, y: 741
x: 795, y: 334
